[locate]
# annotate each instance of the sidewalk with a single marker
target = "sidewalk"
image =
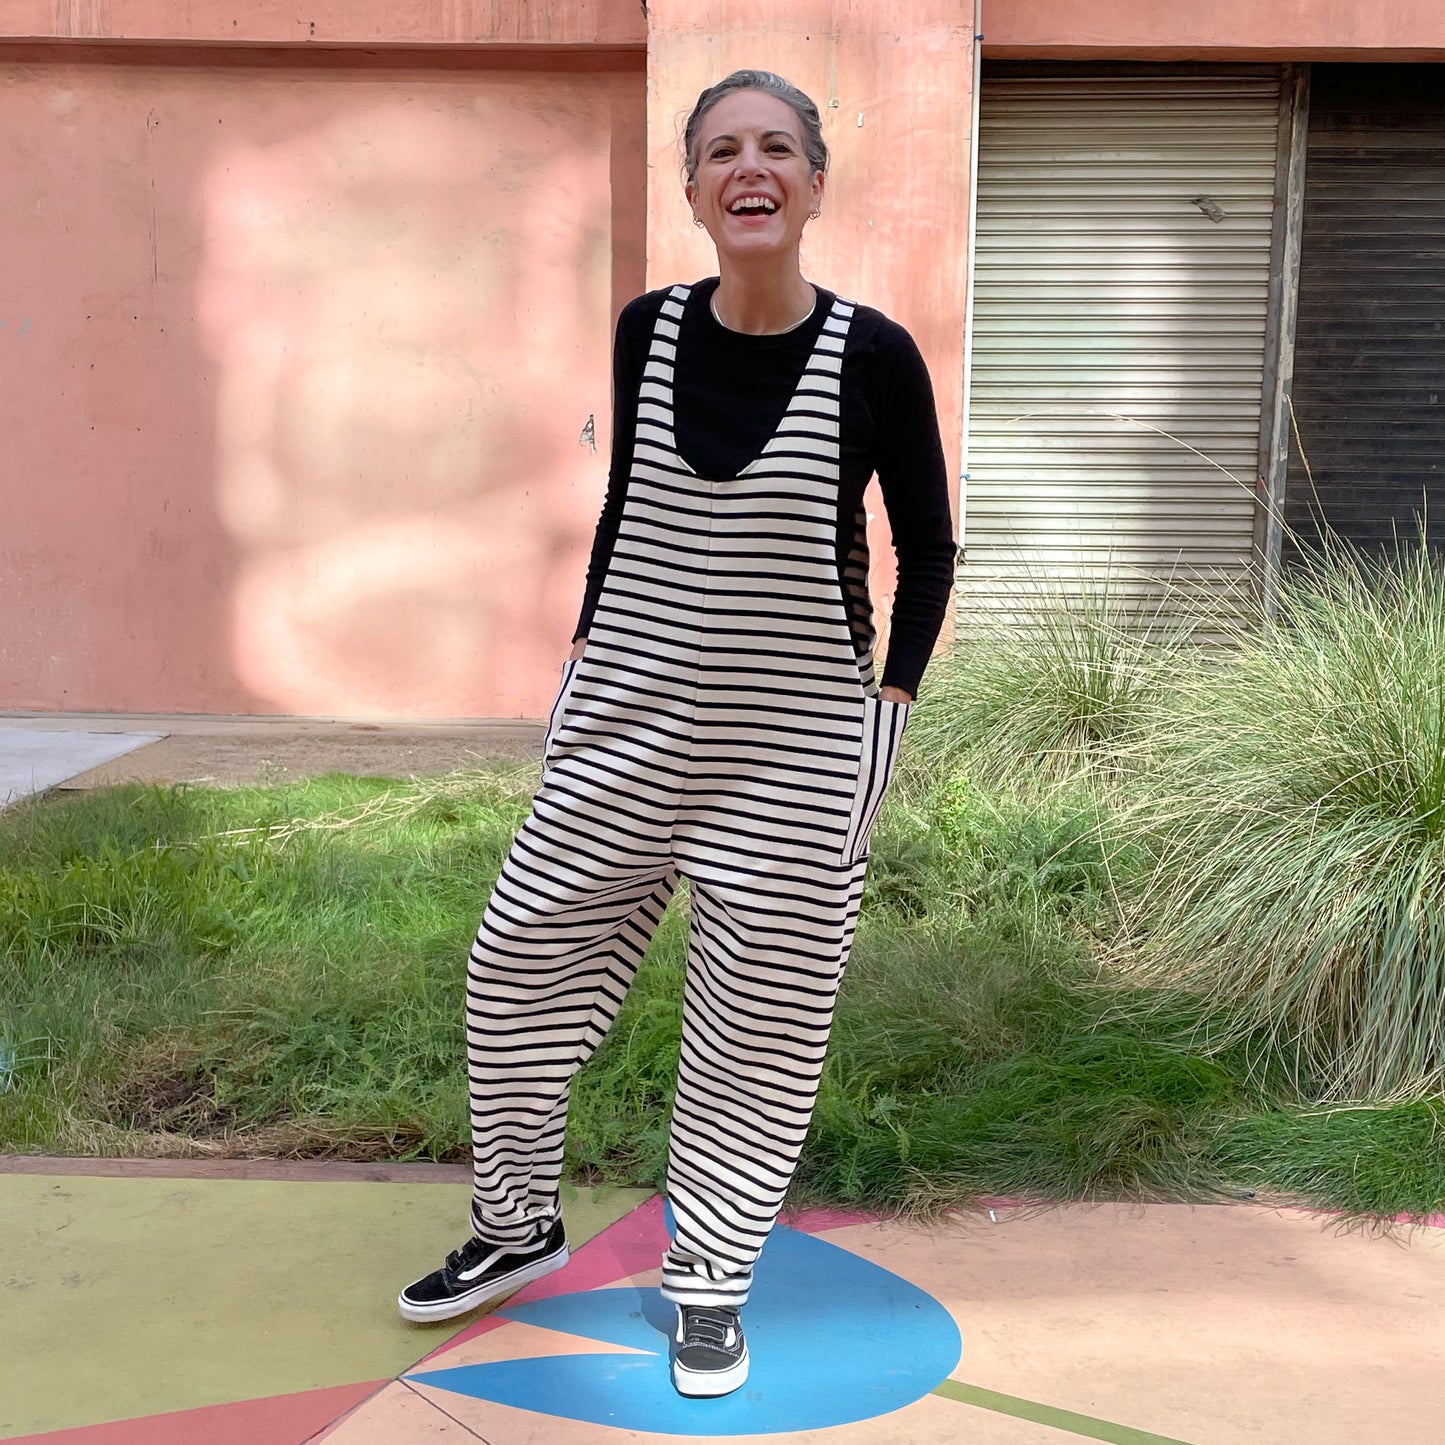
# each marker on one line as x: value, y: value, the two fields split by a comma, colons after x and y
x: 183, y: 1303
x: 230, y: 751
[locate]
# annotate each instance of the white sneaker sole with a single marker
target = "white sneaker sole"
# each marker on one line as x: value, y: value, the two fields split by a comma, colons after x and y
x: 705, y: 1384
x: 493, y: 1289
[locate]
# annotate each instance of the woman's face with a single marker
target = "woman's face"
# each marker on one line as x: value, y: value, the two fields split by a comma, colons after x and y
x: 753, y: 189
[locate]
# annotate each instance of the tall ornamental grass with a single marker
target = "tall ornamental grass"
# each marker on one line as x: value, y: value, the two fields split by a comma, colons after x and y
x: 1294, y: 809
x: 1065, y: 693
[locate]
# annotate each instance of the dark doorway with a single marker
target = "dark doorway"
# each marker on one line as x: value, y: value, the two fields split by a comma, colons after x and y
x: 1369, y: 370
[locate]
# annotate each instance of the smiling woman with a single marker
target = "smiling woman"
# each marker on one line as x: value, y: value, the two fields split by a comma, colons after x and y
x: 719, y: 720
x: 756, y: 163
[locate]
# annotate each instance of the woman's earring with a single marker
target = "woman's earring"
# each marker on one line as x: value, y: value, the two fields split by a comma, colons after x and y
x: 697, y: 220
x: 815, y: 214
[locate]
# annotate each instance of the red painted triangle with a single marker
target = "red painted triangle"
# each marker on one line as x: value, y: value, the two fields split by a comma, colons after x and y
x: 274, y: 1420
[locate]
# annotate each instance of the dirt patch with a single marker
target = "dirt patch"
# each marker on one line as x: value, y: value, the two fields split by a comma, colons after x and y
x: 264, y: 753
x: 166, y: 1107
x: 179, y: 1100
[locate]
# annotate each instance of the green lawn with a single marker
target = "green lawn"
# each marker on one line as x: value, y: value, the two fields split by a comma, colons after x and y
x: 1147, y: 916
x: 279, y: 971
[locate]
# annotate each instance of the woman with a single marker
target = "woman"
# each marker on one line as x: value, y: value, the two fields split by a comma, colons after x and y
x: 719, y: 721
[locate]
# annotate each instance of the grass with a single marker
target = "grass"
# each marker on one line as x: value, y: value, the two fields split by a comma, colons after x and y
x: 1174, y: 943
x: 1296, y: 807
x: 173, y: 991
x: 169, y: 986
x: 1071, y: 692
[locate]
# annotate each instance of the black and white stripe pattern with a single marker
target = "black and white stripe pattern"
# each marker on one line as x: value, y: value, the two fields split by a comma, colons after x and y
x: 724, y: 726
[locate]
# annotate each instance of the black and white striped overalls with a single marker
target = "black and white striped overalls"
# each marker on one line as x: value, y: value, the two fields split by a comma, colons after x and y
x: 723, y: 726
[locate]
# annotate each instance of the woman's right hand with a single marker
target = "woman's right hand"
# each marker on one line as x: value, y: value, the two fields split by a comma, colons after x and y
x: 578, y: 648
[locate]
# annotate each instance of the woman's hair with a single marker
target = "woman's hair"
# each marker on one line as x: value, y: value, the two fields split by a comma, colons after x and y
x: 814, y: 146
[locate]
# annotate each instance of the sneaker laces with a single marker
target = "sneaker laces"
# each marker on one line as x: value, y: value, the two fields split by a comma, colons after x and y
x: 706, y: 1325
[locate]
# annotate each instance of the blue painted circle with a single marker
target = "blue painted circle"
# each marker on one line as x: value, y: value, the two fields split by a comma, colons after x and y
x: 833, y: 1339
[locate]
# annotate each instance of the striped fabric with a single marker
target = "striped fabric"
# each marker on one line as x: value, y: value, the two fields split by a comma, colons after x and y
x: 722, y: 726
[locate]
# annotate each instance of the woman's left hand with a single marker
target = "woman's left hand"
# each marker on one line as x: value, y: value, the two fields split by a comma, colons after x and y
x: 894, y: 694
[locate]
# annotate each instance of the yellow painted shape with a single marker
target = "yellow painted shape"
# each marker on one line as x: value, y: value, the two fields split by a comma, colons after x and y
x: 127, y: 1297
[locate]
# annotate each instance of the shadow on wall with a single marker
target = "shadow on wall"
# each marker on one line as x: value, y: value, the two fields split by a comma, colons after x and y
x: 407, y: 302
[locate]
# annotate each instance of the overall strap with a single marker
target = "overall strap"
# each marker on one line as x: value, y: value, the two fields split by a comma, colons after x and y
x: 654, y: 394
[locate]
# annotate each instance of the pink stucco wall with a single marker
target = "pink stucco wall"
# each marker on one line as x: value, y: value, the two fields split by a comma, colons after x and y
x: 1244, y: 29
x: 302, y: 317
x: 1222, y: 29
x: 295, y: 355
x: 333, y: 22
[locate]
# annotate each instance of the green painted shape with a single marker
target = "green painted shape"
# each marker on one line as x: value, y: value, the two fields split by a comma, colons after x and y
x: 128, y: 1297
x: 1085, y: 1425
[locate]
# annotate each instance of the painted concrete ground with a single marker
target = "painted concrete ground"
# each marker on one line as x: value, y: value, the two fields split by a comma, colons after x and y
x: 176, y: 1311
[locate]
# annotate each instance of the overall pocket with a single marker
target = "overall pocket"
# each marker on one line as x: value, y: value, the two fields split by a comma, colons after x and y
x: 883, y: 724
x: 558, y: 714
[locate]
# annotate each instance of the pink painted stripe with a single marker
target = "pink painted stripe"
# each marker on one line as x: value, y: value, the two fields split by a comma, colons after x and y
x: 1430, y: 1221
x: 631, y: 1246
x: 1424, y: 1221
x: 272, y: 1420
x: 815, y: 1221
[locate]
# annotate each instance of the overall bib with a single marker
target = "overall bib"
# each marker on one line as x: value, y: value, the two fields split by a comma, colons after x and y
x: 723, y: 726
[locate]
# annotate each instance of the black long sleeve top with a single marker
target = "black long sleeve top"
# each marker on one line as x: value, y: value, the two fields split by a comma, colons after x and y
x: 730, y: 392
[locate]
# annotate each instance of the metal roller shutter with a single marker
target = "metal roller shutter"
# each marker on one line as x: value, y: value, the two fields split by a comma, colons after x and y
x: 1122, y: 278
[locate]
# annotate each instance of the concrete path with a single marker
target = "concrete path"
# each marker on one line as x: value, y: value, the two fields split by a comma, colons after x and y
x: 35, y: 759
x: 150, y: 1306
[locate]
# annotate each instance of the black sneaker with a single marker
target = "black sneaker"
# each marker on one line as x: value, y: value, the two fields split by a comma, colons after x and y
x: 479, y: 1272
x: 711, y: 1356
